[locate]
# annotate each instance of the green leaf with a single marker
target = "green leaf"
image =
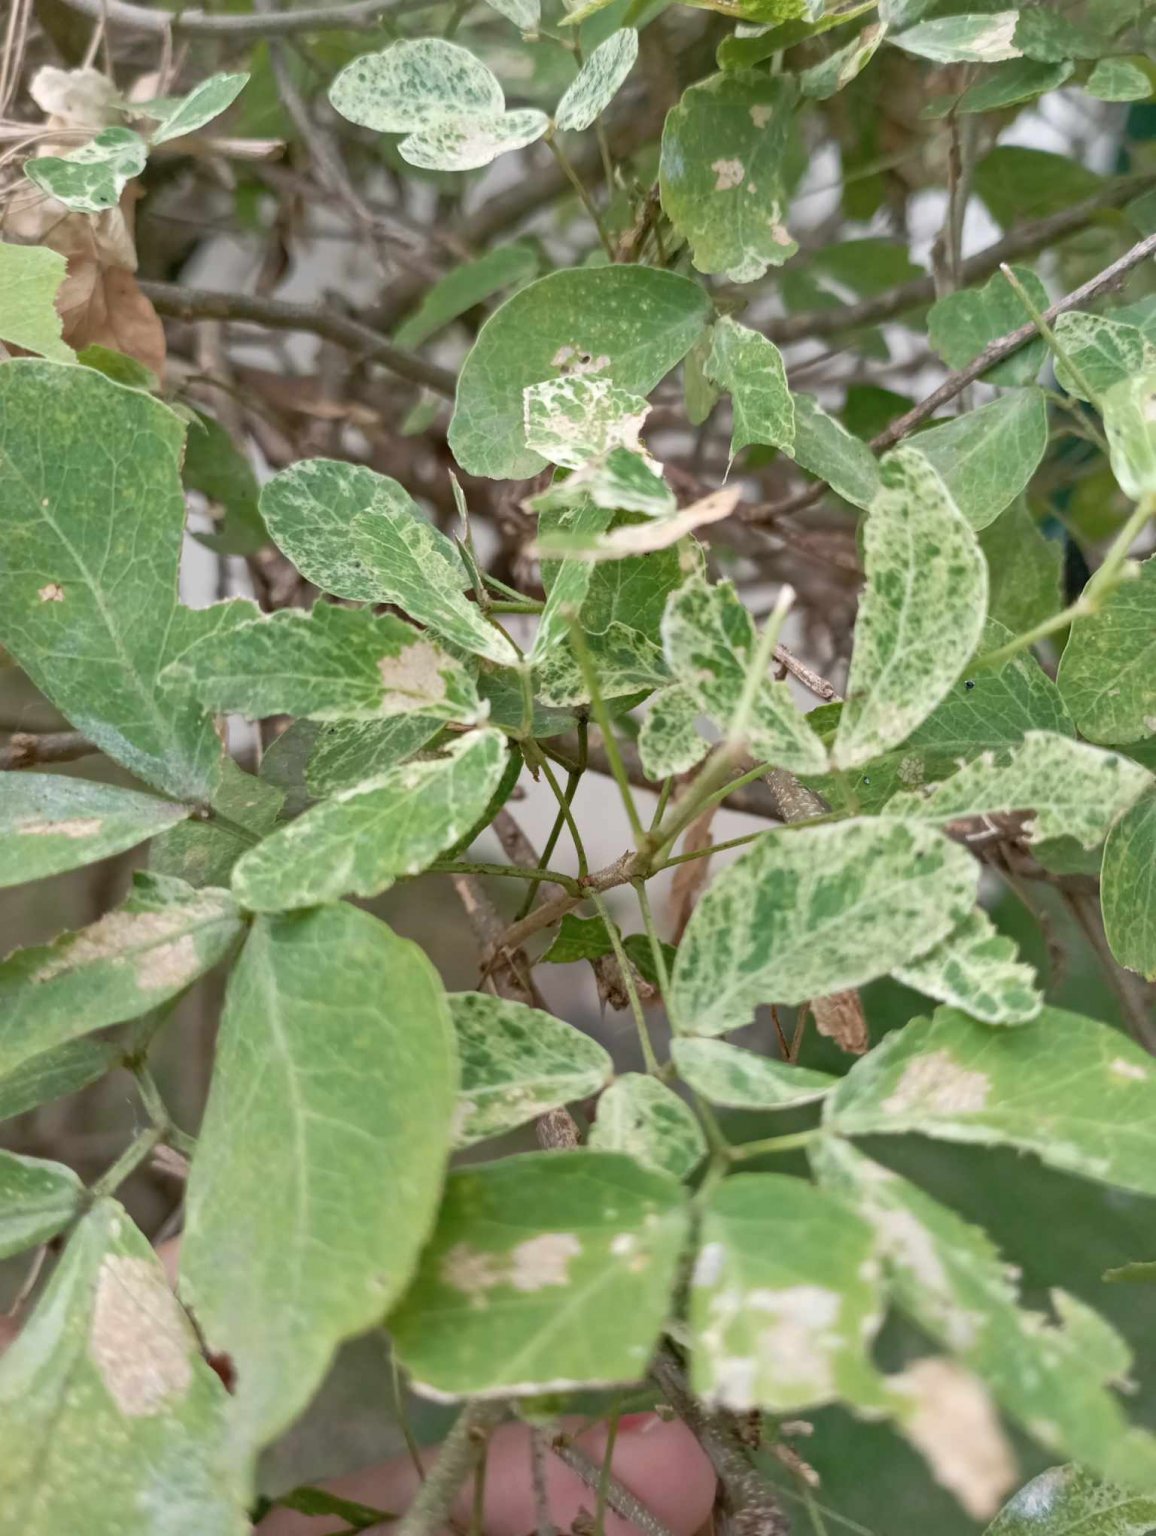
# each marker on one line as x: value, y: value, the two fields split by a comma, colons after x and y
x: 845, y: 64
x: 50, y: 823
x: 468, y: 143
x: 621, y: 481
x: 360, y: 840
x: 506, y: 266
x: 1017, y: 183
x: 808, y: 911
x: 785, y: 1298
x: 330, y: 663
x: 88, y: 589
x: 645, y: 535
x: 721, y: 172
x: 575, y: 418
x: 825, y: 447
x: 570, y: 584
x: 320, y: 1158
x: 669, y: 741
x: 1067, y: 1501
x: 110, y: 1420
x: 30, y: 277
x: 639, y: 1115
x: 977, y: 969
x: 922, y: 609
x: 55, y: 1073
x: 629, y: 324
x: 162, y: 938
x: 986, y: 457
x: 215, y: 466
x: 983, y: 39
x: 1075, y: 1092
x: 1126, y: 887
x: 359, y: 535
x: 750, y: 368
x: 725, y: 1074
x: 416, y: 84
x: 1098, y: 352
x: 597, y: 82
x: 348, y: 753
x: 526, y: 14
x: 1023, y: 569
x: 186, y: 114
x: 710, y: 642
x: 1008, y: 85
x: 1050, y: 36
x: 37, y: 1200
x: 518, y: 1062
x: 949, y: 1279
x: 1129, y: 411
x: 1064, y: 788
x: 1118, y: 80
x: 91, y: 178
x: 546, y: 1272
x: 1107, y: 674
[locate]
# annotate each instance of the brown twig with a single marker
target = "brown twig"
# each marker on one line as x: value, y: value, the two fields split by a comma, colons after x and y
x: 24, y: 750
x: 618, y: 1496
x: 360, y: 16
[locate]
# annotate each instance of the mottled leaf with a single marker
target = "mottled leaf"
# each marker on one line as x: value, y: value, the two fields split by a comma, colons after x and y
x: 1129, y: 411
x: 359, y: 535
x: 669, y: 741
x: 983, y: 39
x: 843, y: 65
x: 1077, y: 1093
x: 468, y: 143
x: 1096, y: 351
x: 360, y: 840
x: 50, y: 823
x: 1065, y: 788
x: 825, y: 447
x: 977, y: 969
x: 526, y: 14
x: 574, y: 418
x: 347, y: 753
x: 1068, y: 1501
x: 721, y: 172
x: 91, y: 178
x: 750, y: 368
x: 30, y: 278
x: 1128, y: 887
x: 1007, y: 85
x: 472, y: 283
x: 923, y: 609
x: 961, y: 324
x: 785, y: 1298
x: 1107, y: 674
x: 416, y: 84
x: 710, y: 642
x: 986, y: 457
x: 597, y: 82
x: 545, y: 1272
x: 807, y: 911
x: 162, y: 938
x: 629, y: 324
x: 1118, y: 80
x: 639, y: 1115
x: 320, y: 1158
x: 37, y: 1200
x: 646, y: 535
x: 110, y: 1420
x: 186, y: 114
x: 518, y: 1062
x: 93, y: 526
x: 738, y: 1079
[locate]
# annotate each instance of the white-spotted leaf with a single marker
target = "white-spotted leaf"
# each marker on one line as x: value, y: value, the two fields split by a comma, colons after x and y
x: 573, y: 419
x: 92, y: 178
x: 1127, y: 890
x: 37, y: 1200
x: 750, y: 368
x: 415, y: 84
x: 738, y: 1079
x: 597, y: 82
x: 1064, y: 1501
x: 639, y: 1115
x: 978, y: 969
x: 49, y: 823
x: 468, y: 143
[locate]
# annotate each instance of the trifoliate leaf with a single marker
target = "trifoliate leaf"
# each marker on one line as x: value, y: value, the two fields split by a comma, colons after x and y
x: 359, y: 535
x: 710, y: 642
x: 110, y: 1420
x: 961, y: 324
x: 986, y: 457
x: 30, y: 278
x: 37, y: 1200
x: 518, y: 1062
x: 186, y: 114
x: 546, y: 1272
x: 91, y: 178
x: 320, y: 1158
x: 922, y: 609
x: 328, y: 664
x: 1126, y: 887
x: 669, y: 741
x: 360, y: 840
x: 162, y: 938
x: 949, y: 1279
x: 1107, y: 674
x: 1096, y: 352
x: 629, y: 324
x: 1129, y: 411
x: 597, y: 82
x: 88, y: 595
x: 348, y: 753
x: 1065, y: 788
x: 976, y: 968
x: 721, y: 173
x: 1064, y: 1501
x: 785, y: 1298
x: 963, y: 39
x: 50, y: 823
x: 825, y: 447
x: 845, y: 64
x: 468, y: 143
x: 1118, y: 80
x: 1077, y: 1093
x: 55, y: 1073
x: 570, y: 420
x: 750, y: 368
x: 639, y: 1115
x: 416, y: 84
x: 808, y: 911
x: 506, y: 266
x: 738, y: 1079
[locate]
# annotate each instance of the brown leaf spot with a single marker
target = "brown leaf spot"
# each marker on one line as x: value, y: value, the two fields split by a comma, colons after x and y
x: 139, y: 1340
x: 841, y: 1018
x: 51, y: 592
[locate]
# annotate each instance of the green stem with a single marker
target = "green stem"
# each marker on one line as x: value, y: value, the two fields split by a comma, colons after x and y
x: 605, y: 725
x: 573, y: 779
x: 757, y: 670
x: 705, y: 853
x: 137, y: 1152
x: 1045, y: 330
x: 652, y: 934
x: 566, y: 813
x: 504, y: 871
x: 774, y: 1144
x: 587, y: 201
x: 624, y: 966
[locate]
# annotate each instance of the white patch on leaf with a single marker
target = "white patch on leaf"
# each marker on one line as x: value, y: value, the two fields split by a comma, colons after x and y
x: 76, y: 826
x: 139, y: 1341
x: 953, y: 1422
x: 936, y: 1084
x: 51, y: 592
x: 544, y: 1260
x: 728, y: 174
x: 1129, y: 1069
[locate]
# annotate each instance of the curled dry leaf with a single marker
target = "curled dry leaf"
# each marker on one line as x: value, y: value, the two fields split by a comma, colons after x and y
x: 840, y: 1017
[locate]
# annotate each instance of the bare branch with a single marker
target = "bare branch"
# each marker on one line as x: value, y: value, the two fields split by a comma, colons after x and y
x: 24, y: 750
x: 618, y: 1496
x: 360, y: 16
